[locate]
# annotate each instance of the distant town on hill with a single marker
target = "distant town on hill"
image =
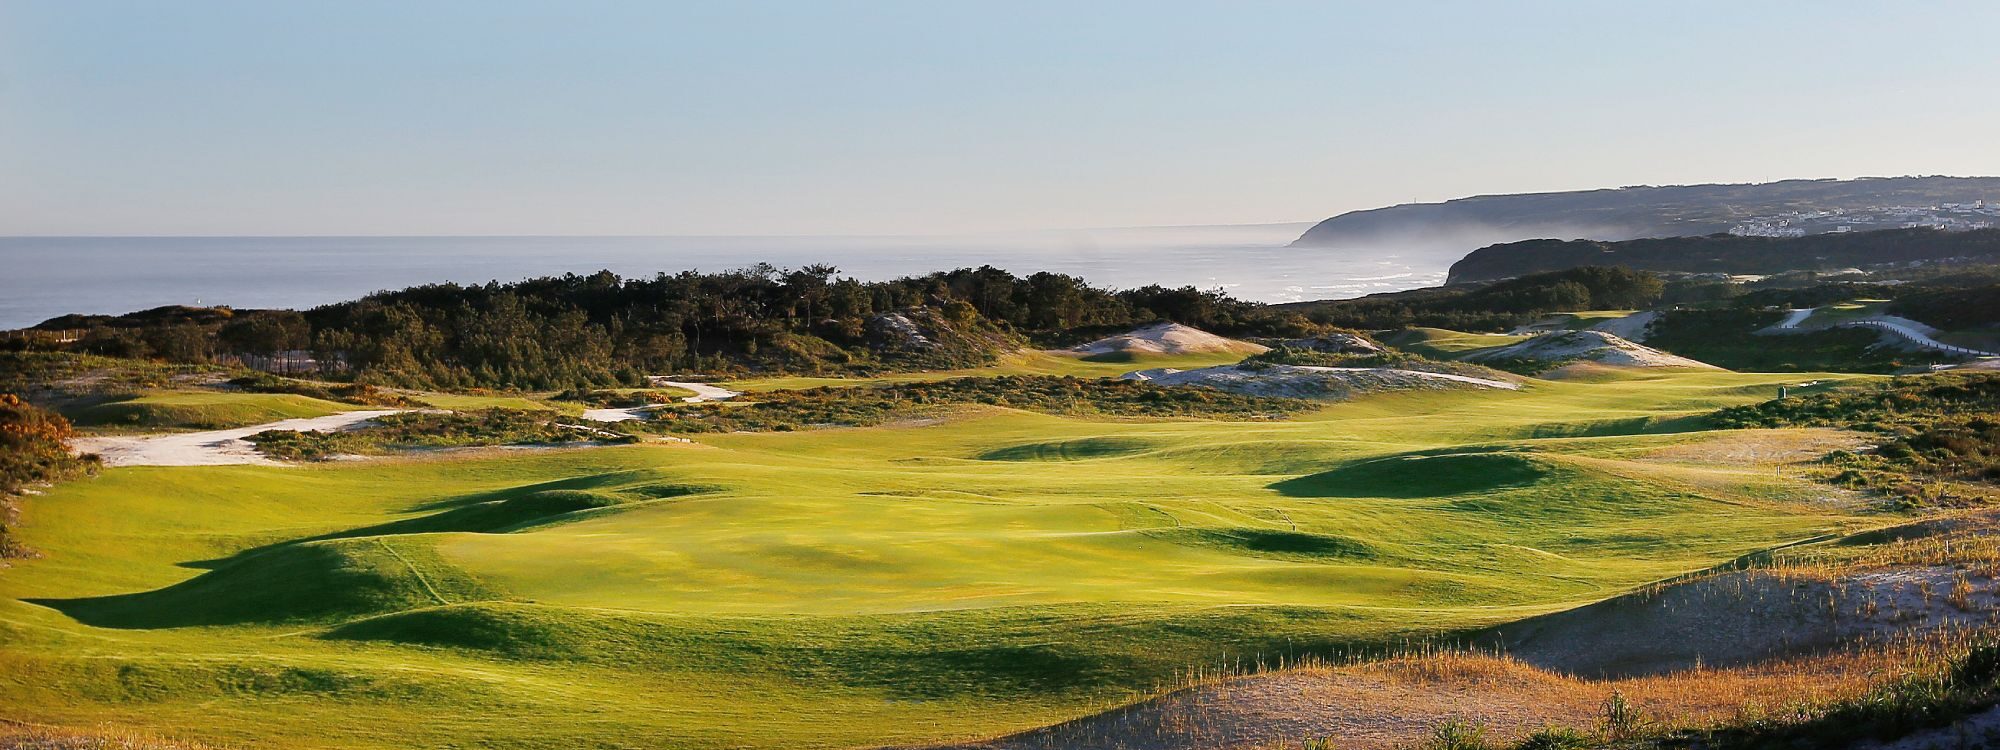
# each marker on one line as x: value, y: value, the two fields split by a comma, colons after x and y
x: 1789, y: 208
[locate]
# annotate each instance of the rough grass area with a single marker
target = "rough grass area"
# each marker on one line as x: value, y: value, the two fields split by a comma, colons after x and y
x: 1431, y: 700
x: 66, y: 375
x: 622, y: 398
x: 27, y: 737
x: 1025, y: 362
x: 350, y: 393
x: 413, y: 430
x: 785, y: 411
x: 887, y: 585
x: 1286, y: 355
x: 1944, y: 426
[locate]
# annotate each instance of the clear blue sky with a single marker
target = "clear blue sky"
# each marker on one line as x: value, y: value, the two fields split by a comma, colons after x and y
x: 727, y: 117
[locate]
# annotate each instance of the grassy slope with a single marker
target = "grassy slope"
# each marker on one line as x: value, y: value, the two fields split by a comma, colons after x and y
x: 1439, y: 343
x: 849, y: 587
x: 201, y: 409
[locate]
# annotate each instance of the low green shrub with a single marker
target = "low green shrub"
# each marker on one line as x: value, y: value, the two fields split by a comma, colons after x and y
x: 411, y: 430
x: 855, y: 407
x: 1942, y: 426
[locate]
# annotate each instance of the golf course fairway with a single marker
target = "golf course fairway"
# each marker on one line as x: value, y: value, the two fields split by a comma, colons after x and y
x: 896, y: 585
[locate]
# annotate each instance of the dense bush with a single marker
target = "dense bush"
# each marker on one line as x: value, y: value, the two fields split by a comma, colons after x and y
x: 1726, y: 337
x: 601, y: 330
x: 1724, y: 253
x: 1494, y: 307
x: 1952, y: 309
x: 854, y: 407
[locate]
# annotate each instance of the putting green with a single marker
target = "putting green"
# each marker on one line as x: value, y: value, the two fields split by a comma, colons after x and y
x: 853, y: 587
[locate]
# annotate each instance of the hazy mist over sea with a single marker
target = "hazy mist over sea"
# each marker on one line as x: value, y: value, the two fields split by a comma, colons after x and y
x: 51, y: 276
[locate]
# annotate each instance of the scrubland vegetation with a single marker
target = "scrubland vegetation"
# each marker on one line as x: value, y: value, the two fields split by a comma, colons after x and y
x: 1933, y: 427
x: 862, y: 406
x: 601, y: 330
x: 418, y: 430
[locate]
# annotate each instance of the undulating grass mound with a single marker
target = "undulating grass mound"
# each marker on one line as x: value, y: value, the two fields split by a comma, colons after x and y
x: 1420, y: 475
x: 202, y: 410
x: 305, y: 582
x: 1069, y: 450
x: 1283, y: 545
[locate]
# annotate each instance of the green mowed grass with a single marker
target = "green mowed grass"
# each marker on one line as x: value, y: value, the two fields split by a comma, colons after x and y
x: 203, y: 410
x: 852, y: 587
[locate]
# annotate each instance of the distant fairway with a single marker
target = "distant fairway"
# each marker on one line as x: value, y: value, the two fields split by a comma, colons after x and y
x: 857, y: 587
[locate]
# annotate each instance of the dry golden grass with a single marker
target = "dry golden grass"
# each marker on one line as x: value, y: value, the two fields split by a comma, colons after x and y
x: 1400, y: 701
x: 17, y: 736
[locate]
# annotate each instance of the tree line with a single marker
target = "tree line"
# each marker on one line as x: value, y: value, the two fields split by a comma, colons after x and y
x: 600, y: 329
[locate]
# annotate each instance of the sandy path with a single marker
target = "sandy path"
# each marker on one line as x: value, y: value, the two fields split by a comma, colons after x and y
x: 1910, y: 330
x: 1794, y: 317
x: 1916, y: 336
x: 214, y: 447
x: 1630, y: 328
x: 702, y: 392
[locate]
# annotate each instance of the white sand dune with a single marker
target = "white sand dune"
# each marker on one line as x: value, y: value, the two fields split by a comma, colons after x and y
x: 1168, y: 338
x: 1588, y: 346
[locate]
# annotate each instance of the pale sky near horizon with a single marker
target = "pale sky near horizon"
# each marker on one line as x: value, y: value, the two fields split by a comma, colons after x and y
x: 374, y: 117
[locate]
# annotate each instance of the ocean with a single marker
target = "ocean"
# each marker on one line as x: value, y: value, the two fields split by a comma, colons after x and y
x: 49, y: 276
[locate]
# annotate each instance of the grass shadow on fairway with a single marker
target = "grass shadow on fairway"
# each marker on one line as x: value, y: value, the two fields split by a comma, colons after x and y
x: 1036, y: 652
x: 362, y: 571
x: 1272, y: 543
x: 621, y: 479
x: 1069, y: 450
x: 1418, y: 475
x: 308, y: 582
